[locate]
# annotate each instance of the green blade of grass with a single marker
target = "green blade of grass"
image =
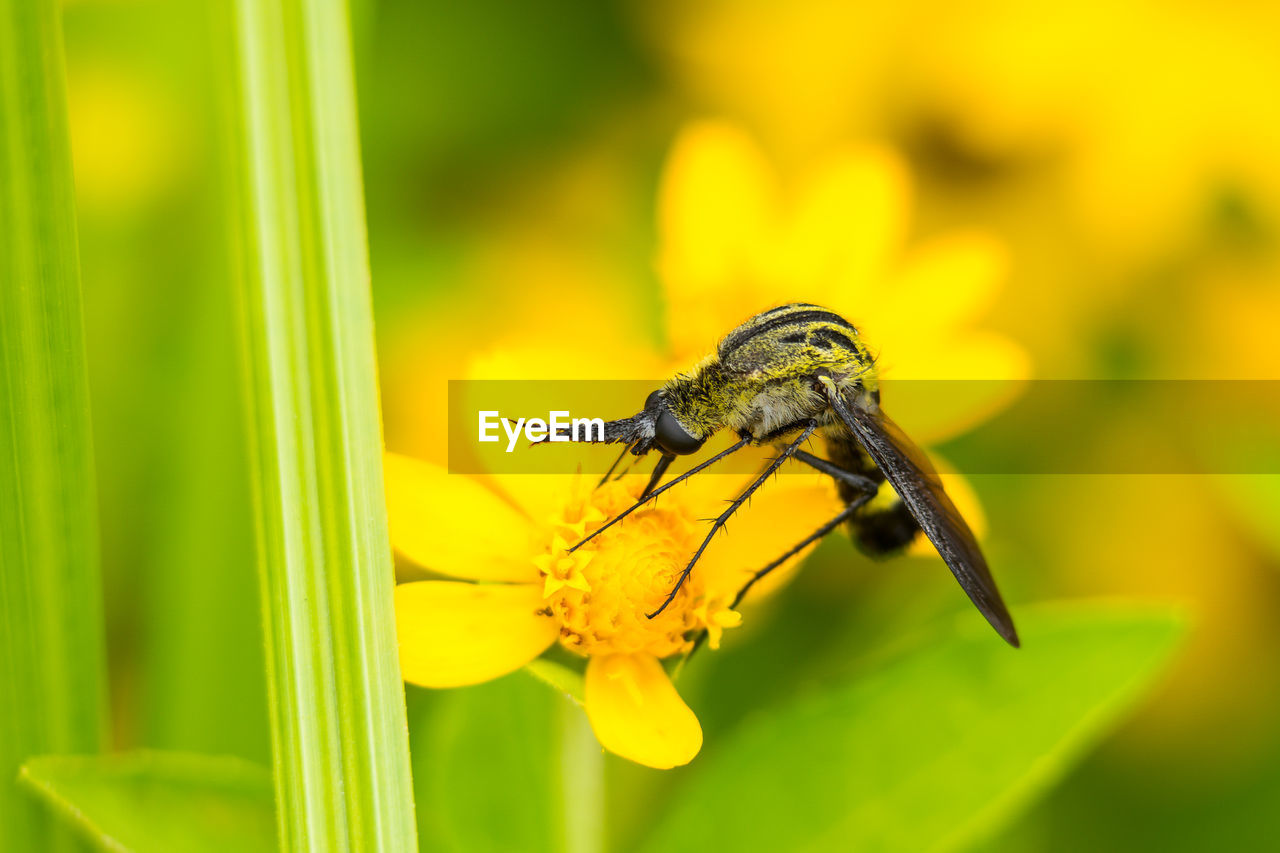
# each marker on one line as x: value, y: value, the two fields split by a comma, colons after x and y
x: 52, y: 661
x: 156, y: 802
x: 338, y: 716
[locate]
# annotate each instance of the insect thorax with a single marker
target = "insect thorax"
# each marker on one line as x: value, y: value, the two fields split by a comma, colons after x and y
x: 763, y: 375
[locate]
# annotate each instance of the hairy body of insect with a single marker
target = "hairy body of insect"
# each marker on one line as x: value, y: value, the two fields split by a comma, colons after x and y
x: 761, y: 378
x: 779, y: 378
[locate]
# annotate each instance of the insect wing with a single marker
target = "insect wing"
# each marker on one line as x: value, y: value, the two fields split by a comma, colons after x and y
x: 913, y: 477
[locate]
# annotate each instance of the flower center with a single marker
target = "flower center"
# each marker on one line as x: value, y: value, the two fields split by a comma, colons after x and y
x: 602, y: 592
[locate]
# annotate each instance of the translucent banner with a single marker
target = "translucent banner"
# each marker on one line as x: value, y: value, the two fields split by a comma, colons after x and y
x: 977, y: 426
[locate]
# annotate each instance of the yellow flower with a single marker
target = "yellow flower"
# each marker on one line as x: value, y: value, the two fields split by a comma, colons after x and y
x: 520, y: 590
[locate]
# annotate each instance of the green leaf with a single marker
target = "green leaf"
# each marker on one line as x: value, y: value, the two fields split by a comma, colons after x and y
x: 52, y: 660
x: 931, y: 751
x: 159, y: 801
x: 337, y: 703
x: 507, y: 765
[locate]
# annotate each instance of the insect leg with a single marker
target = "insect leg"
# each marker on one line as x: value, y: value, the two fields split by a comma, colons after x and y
x: 723, y: 518
x: 626, y: 469
x: 664, y: 462
x: 615, y: 464
x: 858, y: 481
x: 868, y: 489
x: 876, y: 534
x: 644, y: 500
x: 840, y: 518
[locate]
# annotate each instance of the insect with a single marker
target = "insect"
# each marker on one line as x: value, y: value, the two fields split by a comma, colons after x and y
x: 778, y: 379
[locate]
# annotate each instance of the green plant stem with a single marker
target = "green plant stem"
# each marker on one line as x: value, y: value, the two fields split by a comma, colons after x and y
x: 337, y: 702
x: 582, y: 782
x: 52, y: 660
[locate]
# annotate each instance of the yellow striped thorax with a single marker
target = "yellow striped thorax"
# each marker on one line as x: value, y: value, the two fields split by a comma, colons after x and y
x: 763, y: 375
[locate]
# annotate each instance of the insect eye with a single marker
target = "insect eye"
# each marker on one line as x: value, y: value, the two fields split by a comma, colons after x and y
x: 672, y: 437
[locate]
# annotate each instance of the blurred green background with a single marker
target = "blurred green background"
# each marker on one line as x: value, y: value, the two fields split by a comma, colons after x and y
x: 1126, y: 157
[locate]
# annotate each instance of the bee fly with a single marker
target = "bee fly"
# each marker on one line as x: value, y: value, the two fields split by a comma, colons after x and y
x: 779, y: 378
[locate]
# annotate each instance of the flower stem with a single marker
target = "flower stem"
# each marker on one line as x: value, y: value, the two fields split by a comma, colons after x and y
x: 337, y: 703
x: 52, y: 659
x: 582, y: 782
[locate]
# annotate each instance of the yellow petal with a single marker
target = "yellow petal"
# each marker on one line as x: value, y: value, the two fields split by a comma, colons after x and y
x: 942, y: 389
x: 717, y: 622
x: 636, y: 713
x: 945, y: 285
x: 848, y: 227
x: 715, y: 209
x: 621, y: 354
x: 452, y: 633
x: 974, y: 355
x: 543, y: 497
x: 451, y: 524
x: 715, y: 201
